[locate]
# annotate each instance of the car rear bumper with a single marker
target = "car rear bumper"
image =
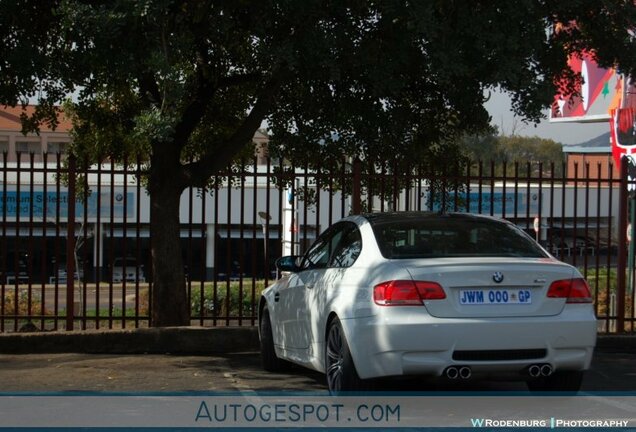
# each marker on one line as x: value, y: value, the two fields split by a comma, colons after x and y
x: 404, y: 341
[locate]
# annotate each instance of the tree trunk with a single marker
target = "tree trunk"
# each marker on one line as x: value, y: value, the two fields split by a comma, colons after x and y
x: 169, y: 301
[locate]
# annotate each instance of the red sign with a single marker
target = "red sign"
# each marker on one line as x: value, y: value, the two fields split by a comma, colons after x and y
x: 623, y: 133
x: 599, y: 92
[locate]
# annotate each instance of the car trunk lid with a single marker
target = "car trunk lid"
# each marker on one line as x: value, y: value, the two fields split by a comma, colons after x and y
x: 492, y: 287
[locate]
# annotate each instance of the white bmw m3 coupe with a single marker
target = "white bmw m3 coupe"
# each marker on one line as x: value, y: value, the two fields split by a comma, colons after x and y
x: 412, y: 294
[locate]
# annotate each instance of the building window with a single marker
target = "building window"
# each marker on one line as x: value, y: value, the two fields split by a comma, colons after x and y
x: 28, y: 147
x: 4, y: 145
x: 56, y: 147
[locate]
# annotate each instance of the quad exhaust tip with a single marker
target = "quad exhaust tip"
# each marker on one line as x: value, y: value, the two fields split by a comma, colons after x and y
x: 534, y: 371
x: 453, y: 372
x: 539, y: 370
x: 546, y: 370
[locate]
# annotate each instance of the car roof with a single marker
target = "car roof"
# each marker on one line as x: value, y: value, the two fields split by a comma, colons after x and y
x: 406, y: 216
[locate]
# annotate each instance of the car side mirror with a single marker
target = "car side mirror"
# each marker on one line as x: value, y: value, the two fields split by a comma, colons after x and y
x: 288, y: 263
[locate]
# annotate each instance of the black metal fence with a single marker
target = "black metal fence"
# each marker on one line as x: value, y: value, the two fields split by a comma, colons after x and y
x: 75, y: 244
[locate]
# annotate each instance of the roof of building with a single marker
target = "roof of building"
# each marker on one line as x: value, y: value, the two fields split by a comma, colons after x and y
x: 10, y: 119
x: 600, y: 144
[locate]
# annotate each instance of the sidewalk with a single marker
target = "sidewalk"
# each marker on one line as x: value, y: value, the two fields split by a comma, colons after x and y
x: 172, y: 340
x: 182, y: 340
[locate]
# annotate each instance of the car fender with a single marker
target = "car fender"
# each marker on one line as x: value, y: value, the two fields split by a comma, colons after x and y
x: 355, y: 298
x: 353, y: 304
x: 268, y: 295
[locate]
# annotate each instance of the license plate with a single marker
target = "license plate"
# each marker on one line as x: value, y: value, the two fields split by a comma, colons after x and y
x: 495, y: 296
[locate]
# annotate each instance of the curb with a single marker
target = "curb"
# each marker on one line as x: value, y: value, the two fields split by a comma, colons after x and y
x: 182, y: 340
x: 167, y: 340
x: 616, y: 343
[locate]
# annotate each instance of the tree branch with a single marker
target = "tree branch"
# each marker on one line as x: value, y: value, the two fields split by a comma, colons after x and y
x: 239, y: 79
x: 204, y: 90
x: 149, y: 89
x: 197, y: 173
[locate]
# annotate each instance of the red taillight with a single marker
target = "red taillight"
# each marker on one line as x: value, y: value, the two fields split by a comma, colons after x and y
x: 574, y: 290
x: 406, y: 293
x: 430, y: 290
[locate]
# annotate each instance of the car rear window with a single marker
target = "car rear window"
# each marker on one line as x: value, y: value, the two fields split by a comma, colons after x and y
x: 448, y: 236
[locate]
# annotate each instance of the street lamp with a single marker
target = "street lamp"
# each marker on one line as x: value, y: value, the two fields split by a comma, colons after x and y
x: 265, y: 218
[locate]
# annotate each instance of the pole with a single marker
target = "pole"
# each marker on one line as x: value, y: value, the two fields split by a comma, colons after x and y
x: 622, y: 255
x: 265, y: 218
x: 70, y: 246
x: 356, y: 190
x: 622, y: 234
x: 630, y: 256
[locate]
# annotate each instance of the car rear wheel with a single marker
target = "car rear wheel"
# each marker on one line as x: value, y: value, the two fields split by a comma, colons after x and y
x: 339, y: 368
x: 566, y: 381
x: 269, y: 359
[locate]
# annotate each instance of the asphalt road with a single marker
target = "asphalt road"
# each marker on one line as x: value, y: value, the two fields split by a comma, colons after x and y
x: 236, y: 372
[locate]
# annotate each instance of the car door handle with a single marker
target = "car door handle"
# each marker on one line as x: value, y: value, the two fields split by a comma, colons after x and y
x: 276, y: 297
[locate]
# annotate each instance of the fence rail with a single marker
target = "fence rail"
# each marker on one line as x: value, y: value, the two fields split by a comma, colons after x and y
x: 75, y: 243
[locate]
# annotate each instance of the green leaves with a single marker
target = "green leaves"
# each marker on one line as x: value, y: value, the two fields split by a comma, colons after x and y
x: 386, y: 77
x: 504, y: 150
x: 154, y: 127
x: 187, y: 83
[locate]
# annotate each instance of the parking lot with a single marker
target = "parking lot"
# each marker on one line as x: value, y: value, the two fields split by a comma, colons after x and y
x: 611, y: 371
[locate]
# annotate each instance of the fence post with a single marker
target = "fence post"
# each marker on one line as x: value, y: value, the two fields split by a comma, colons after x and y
x: 622, y: 252
x: 70, y: 246
x: 356, y: 189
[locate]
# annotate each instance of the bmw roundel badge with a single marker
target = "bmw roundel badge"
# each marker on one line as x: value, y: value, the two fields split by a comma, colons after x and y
x: 498, y: 277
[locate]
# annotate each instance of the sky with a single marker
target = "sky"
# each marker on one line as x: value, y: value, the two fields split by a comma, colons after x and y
x: 566, y: 133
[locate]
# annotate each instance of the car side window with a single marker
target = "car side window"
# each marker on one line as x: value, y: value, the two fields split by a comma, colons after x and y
x: 318, y: 255
x: 348, y: 250
x: 321, y: 251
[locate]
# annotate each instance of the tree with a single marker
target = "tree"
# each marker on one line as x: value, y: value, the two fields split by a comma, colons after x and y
x: 187, y: 83
x: 507, y: 151
x: 533, y: 150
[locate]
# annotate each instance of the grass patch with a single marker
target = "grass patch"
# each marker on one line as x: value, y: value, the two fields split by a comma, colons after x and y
x: 226, y: 301
x: 22, y: 307
x: 603, y: 283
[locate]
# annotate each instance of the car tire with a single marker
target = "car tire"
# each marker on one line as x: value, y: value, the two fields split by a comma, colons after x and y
x: 269, y: 359
x: 339, y: 368
x: 565, y: 381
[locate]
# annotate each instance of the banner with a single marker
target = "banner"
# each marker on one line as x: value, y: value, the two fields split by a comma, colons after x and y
x: 44, y: 207
x: 599, y: 92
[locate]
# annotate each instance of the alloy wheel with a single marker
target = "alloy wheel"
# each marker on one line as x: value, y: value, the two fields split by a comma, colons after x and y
x: 334, y: 358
